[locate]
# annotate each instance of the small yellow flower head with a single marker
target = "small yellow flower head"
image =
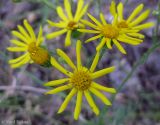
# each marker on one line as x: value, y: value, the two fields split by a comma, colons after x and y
x: 80, y: 82
x: 68, y: 22
x: 109, y: 31
x: 39, y: 55
x: 72, y: 25
x: 28, y: 43
x: 81, y: 79
x: 133, y: 21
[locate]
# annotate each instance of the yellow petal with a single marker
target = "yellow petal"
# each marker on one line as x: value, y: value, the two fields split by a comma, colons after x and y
x: 115, y: 20
x: 101, y: 44
x: 84, y: 10
x: 56, y: 82
x: 67, y: 100
x: 61, y: 13
x: 137, y: 35
x: 18, y: 43
x: 144, y: 26
x: 93, y: 38
x: 91, y: 102
x: 102, y: 72
x: 141, y: 18
x: 132, y: 38
x: 100, y: 96
x: 30, y: 30
x: 79, y: 9
x: 89, y: 24
x: 94, y: 20
x: 68, y: 9
x: 100, y: 87
x: 113, y: 8
x: 95, y: 62
x: 119, y: 46
x: 66, y: 58
x: 59, y: 25
x: 88, y: 31
x: 59, y: 67
x: 123, y: 31
x: 55, y: 34
x: 78, y: 105
x: 120, y: 11
x: 22, y: 62
x: 16, y: 60
x: 103, y: 19
x: 23, y: 31
x: 81, y: 25
x: 129, y: 40
x: 59, y: 89
x: 135, y: 13
x: 40, y: 37
x: 20, y: 36
x: 78, y: 52
x: 17, y: 49
x: 68, y: 38
x: 108, y: 43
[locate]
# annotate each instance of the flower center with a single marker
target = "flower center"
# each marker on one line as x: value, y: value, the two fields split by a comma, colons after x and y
x: 109, y: 31
x: 38, y: 55
x: 122, y: 24
x: 81, y: 79
x: 71, y: 25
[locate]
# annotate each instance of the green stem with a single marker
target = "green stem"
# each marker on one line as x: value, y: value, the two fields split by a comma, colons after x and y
x: 49, y: 4
x: 102, y: 52
x: 139, y: 62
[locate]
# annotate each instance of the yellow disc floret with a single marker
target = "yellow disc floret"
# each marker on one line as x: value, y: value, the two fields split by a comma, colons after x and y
x: 71, y: 25
x: 109, y: 31
x: 38, y: 55
x: 81, y: 79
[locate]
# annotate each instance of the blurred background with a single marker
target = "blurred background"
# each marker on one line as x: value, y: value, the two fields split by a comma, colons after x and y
x: 137, y: 75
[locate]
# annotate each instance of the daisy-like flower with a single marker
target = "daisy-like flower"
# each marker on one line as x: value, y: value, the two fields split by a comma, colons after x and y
x: 68, y: 22
x: 109, y: 33
x: 80, y: 82
x: 28, y: 43
x: 133, y: 21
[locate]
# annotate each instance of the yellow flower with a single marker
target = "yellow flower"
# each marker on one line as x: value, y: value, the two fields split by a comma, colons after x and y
x: 29, y: 44
x: 68, y: 22
x: 80, y: 81
x: 109, y: 33
x: 133, y: 21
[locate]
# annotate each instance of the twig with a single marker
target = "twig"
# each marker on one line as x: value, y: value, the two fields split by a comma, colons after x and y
x: 24, y: 88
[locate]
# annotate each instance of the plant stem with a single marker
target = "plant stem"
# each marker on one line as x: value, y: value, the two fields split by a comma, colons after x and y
x: 136, y: 65
x: 49, y: 4
x: 139, y: 62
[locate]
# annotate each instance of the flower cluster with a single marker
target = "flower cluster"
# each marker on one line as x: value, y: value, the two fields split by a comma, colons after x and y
x: 120, y: 30
x: 80, y: 81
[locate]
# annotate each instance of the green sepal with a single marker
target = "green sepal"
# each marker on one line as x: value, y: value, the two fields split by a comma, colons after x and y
x: 47, y: 64
x: 76, y: 34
